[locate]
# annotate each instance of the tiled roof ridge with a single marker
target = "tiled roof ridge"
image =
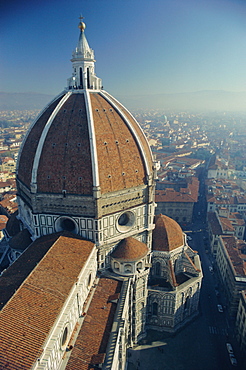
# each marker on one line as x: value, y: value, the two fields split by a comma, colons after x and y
x: 232, y: 249
x: 172, y: 274
x: 191, y: 262
x: 94, y: 336
x: 45, y: 240
x: 37, y: 303
x: 178, y: 196
x: 50, y: 291
x: 22, y: 282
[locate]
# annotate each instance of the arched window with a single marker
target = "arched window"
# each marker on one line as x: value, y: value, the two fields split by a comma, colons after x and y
x: 88, y: 78
x: 128, y: 268
x: 142, y: 312
x: 89, y: 280
x: 182, y: 298
x: 155, y: 308
x: 139, y: 265
x: 187, y: 303
x: 64, y: 337
x: 81, y: 77
x: 158, y: 268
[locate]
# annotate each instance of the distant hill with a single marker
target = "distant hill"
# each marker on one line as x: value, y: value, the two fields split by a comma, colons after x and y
x: 193, y: 101
x: 23, y: 101
x: 210, y: 100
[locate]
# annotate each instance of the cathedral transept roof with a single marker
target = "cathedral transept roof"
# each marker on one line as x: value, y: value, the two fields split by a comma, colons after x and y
x: 36, y: 304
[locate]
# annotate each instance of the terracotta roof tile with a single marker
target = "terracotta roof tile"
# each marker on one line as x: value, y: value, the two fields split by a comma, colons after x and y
x: 167, y: 234
x: 120, y: 160
x: 9, y: 205
x: 226, y: 224
x: 138, y: 130
x: 189, y: 194
x: 21, y: 240
x: 29, y: 315
x: 93, y: 336
x: 28, y: 151
x: 65, y: 160
x: 69, y: 151
x: 233, y: 246
x: 14, y: 276
x: 3, y: 221
x: 214, y: 223
x: 130, y: 249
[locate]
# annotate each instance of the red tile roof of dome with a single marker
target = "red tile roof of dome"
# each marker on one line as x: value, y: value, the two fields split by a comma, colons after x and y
x: 62, y: 154
x: 130, y: 249
x: 167, y: 234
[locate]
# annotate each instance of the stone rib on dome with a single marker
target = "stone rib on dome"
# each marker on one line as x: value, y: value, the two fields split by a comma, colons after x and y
x: 130, y: 250
x: 167, y: 234
x: 30, y: 143
x: 139, y: 132
x: 65, y: 161
x: 120, y: 161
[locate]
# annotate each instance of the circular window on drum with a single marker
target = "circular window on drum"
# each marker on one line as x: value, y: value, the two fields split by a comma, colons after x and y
x: 125, y: 221
x: 66, y: 224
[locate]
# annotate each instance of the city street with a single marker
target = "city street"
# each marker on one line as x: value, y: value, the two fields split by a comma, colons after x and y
x: 201, y: 345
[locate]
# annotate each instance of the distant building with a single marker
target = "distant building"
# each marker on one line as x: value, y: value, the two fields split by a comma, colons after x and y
x: 5, y: 187
x: 8, y: 205
x: 223, y: 193
x: 8, y: 164
x: 3, y: 222
x: 178, y: 204
x: 230, y: 257
x: 224, y: 223
x: 219, y: 168
x: 241, y: 325
x: 214, y: 231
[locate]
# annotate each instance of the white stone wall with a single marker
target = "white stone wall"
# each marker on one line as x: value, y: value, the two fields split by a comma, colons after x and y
x: 121, y: 331
x: 104, y: 230
x: 174, y: 308
x: 241, y: 323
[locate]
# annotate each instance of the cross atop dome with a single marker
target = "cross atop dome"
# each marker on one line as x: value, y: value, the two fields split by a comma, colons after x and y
x: 83, y: 76
x: 81, y: 25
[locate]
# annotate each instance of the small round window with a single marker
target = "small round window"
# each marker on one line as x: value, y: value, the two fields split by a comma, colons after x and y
x: 125, y: 221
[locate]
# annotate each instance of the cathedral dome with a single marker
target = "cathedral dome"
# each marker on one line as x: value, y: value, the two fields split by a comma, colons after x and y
x: 81, y: 140
x: 167, y: 234
x: 85, y: 163
x: 129, y: 250
x: 84, y: 139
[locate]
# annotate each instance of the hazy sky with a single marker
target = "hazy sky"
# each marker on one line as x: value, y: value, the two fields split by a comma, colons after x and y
x: 141, y: 46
